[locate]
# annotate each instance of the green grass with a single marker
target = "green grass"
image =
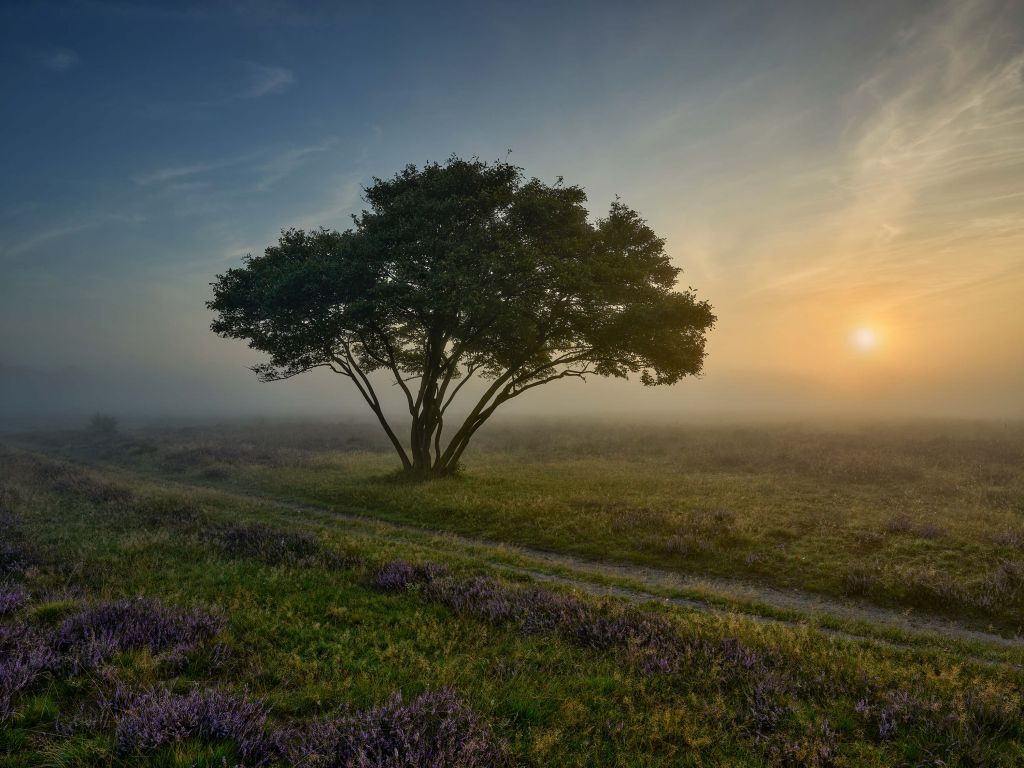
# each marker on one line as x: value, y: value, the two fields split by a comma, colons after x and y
x: 924, y: 516
x: 309, y: 638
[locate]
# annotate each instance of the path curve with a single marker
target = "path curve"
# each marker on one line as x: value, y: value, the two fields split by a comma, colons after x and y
x: 718, y: 590
x: 703, y: 593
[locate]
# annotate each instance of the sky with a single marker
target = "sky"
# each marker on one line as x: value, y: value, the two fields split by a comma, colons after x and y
x: 844, y: 182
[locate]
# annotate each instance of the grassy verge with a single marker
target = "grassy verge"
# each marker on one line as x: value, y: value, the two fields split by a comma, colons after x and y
x: 308, y: 630
x: 929, y: 519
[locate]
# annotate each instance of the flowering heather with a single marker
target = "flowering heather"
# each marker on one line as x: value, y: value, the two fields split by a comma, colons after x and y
x: 651, y: 642
x: 25, y: 654
x: 97, y: 633
x: 399, y: 575
x: 435, y: 729
x: 816, y: 748
x: 764, y: 684
x: 152, y: 719
x: 265, y: 543
x: 11, y: 599
x: 766, y: 705
x: 1001, y: 586
x: 650, y: 639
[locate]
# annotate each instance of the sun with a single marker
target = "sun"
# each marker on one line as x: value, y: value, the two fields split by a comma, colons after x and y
x: 864, y: 339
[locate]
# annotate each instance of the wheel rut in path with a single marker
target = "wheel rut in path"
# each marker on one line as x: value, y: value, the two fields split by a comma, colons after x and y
x: 649, y: 584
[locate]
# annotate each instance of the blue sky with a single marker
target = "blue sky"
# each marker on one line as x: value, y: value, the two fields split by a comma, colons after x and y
x: 838, y: 153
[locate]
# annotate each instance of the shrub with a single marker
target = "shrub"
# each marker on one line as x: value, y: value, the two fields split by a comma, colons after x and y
x: 818, y: 747
x: 932, y: 587
x: 25, y: 654
x: 11, y: 599
x: 262, y: 542
x: 152, y: 719
x: 435, y: 729
x: 1004, y: 584
x: 97, y: 633
x: 1010, y: 537
x: 861, y: 580
x: 651, y: 641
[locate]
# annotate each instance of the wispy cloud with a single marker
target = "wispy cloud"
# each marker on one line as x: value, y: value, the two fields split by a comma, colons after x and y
x: 176, y: 172
x: 256, y: 81
x: 932, y: 158
x: 269, y: 166
x: 345, y: 200
x: 284, y: 164
x: 60, y: 59
x: 266, y: 80
x: 32, y: 242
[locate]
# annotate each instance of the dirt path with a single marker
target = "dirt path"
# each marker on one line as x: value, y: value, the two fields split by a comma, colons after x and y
x: 639, y: 583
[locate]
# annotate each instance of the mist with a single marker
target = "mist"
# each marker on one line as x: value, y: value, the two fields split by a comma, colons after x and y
x: 813, y: 172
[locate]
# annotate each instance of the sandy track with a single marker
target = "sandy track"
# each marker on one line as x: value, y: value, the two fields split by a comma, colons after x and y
x: 639, y: 583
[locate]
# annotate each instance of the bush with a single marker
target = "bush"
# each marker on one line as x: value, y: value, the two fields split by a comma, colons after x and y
x: 435, y: 729
x: 99, y: 632
x: 152, y: 719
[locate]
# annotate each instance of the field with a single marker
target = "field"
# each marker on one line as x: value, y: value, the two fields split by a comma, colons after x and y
x: 584, y: 594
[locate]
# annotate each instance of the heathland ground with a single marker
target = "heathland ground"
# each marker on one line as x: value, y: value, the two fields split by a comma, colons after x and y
x: 676, y: 595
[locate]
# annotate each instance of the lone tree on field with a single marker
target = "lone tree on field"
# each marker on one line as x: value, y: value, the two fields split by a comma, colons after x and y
x: 458, y: 272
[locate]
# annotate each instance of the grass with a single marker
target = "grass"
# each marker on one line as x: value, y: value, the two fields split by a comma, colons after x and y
x: 928, y: 517
x: 307, y: 633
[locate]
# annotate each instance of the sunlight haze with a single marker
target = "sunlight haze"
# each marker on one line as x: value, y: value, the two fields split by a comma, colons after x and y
x: 844, y: 182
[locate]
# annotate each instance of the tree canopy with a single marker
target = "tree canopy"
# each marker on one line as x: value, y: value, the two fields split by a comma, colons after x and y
x: 465, y: 271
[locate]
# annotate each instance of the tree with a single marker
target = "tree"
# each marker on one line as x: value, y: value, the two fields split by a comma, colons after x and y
x: 458, y: 272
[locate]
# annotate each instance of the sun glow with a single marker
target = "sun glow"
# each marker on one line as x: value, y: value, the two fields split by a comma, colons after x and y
x: 864, y: 339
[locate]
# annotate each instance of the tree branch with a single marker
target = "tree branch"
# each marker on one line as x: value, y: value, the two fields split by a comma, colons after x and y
x: 370, y: 396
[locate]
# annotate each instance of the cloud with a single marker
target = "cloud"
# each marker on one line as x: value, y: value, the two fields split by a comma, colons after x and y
x: 266, y: 80
x: 924, y: 185
x: 343, y: 201
x: 60, y: 59
x: 40, y: 238
x: 257, y: 81
x: 174, y: 173
x: 283, y: 164
x: 270, y: 167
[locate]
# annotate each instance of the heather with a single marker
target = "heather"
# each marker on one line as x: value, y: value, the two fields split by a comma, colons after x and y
x: 149, y: 719
x: 930, y: 510
x: 434, y: 729
x: 265, y: 543
x: 11, y: 599
x: 25, y: 655
x: 177, y: 626
x: 768, y: 686
x: 94, y: 635
x: 90, y: 638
